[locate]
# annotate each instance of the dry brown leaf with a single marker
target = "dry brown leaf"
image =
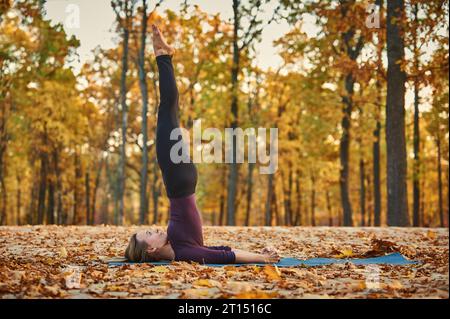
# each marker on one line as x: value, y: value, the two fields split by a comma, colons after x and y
x: 238, y: 287
x: 63, y: 252
x: 204, y: 283
x: 159, y: 269
x: 272, y: 272
x: 431, y: 234
x: 395, y: 284
x: 29, y: 264
x: 198, y: 293
x: 256, y: 294
x: 73, y: 280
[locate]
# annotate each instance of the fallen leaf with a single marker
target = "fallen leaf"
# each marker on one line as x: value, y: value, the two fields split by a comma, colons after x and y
x: 256, y: 269
x: 238, y: 287
x: 63, y: 252
x: 160, y: 269
x: 395, y: 285
x: 203, y: 283
x: 359, y: 285
x: 73, y: 280
x: 257, y: 294
x: 431, y: 234
x: 198, y: 293
x: 52, y: 290
x: 272, y: 272
x: 345, y: 253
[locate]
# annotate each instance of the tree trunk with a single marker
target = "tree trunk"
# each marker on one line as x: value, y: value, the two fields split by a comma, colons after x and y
x: 422, y: 203
x: 31, y: 216
x: 313, y: 200
x: 369, y: 201
x: 3, y: 217
x: 110, y: 190
x: 268, y: 214
x: 249, y: 193
x: 330, y: 212
x: 397, y: 210
x: 123, y: 102
x: 439, y: 169
x: 104, y: 209
x: 298, y: 219
x: 42, y: 188
x: 19, y: 199
x: 362, y: 192
x: 287, y: 200
x: 344, y: 148
x: 353, y: 47
x: 416, y: 163
x: 59, y: 208
x: 447, y: 197
x: 143, y: 208
x: 87, y: 196
x: 94, y: 195
x: 233, y: 174
x: 222, y: 209
x: 51, y: 203
x: 376, y: 162
x: 76, y: 194
x: 222, y: 198
x: 275, y: 209
x: 4, y: 139
x: 155, y: 192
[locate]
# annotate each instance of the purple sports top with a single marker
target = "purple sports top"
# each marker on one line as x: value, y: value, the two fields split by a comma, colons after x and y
x: 184, y: 233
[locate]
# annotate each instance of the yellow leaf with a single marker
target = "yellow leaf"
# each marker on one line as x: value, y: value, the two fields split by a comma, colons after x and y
x: 52, y: 290
x: 230, y: 268
x: 166, y: 283
x: 238, y: 287
x: 272, y: 272
x: 231, y: 273
x: 395, y: 284
x: 63, y: 252
x: 203, y: 283
x: 431, y: 234
x: 50, y: 261
x: 256, y: 269
x: 160, y: 269
x: 345, y: 253
x: 196, y: 293
x: 257, y: 294
x: 359, y: 285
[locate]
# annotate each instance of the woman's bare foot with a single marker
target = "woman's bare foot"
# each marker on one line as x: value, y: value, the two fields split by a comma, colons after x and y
x: 160, y: 45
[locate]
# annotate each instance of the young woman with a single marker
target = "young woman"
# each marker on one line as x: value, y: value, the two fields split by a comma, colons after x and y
x: 184, y: 239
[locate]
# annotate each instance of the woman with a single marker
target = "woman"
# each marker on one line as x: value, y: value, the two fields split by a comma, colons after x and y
x: 184, y: 239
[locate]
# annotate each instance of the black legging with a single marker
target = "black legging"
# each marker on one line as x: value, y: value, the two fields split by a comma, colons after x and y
x: 180, y: 179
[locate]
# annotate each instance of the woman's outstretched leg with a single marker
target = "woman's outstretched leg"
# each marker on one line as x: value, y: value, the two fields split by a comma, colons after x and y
x: 180, y: 179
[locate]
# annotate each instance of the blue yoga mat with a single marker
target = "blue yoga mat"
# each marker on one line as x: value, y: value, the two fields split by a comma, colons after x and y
x: 391, y: 259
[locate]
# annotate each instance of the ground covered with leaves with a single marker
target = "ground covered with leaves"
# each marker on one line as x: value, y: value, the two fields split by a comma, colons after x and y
x: 69, y: 262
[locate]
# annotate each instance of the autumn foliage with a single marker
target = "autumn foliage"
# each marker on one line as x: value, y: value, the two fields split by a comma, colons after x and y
x: 70, y: 155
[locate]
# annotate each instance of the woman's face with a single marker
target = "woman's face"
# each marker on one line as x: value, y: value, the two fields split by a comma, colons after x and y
x: 153, y: 238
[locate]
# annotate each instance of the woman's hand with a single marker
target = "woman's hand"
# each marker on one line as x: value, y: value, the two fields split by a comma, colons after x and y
x: 269, y: 250
x: 270, y: 255
x: 271, y: 259
x: 243, y: 256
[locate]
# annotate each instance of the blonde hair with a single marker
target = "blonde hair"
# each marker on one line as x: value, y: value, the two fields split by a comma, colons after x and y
x: 137, y: 251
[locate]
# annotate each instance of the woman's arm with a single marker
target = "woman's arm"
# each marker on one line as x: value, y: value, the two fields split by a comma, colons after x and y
x: 267, y: 255
x: 243, y: 257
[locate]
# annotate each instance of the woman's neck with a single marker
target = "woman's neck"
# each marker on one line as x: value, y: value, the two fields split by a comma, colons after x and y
x: 166, y: 252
